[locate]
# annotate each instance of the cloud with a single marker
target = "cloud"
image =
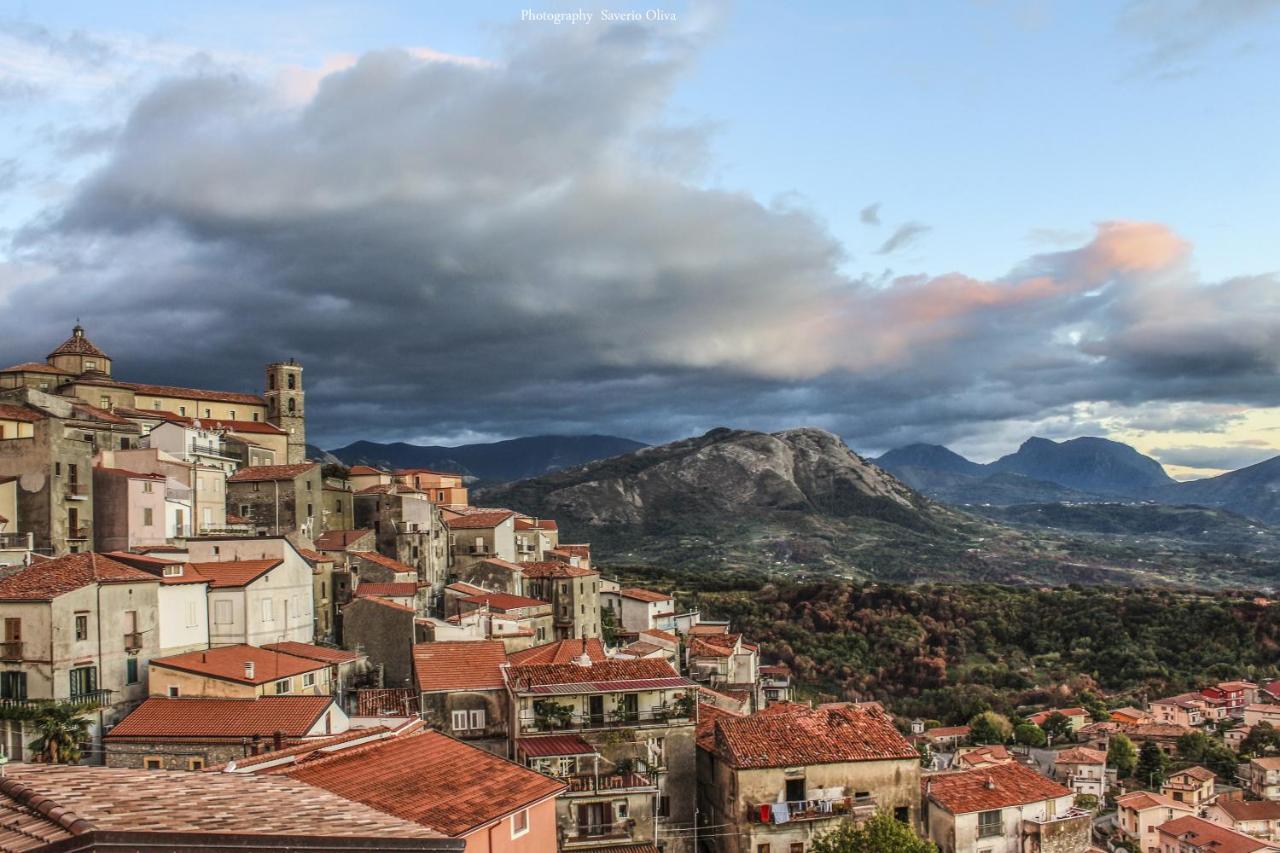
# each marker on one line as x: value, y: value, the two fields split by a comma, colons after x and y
x: 870, y: 215
x: 1213, y: 458
x: 494, y: 248
x: 905, y: 235
x: 1178, y: 33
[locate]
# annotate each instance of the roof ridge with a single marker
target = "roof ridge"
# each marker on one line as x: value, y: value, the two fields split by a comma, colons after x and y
x: 45, y: 806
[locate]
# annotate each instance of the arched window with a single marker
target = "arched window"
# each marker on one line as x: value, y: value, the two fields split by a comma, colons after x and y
x: 293, y: 382
x: 293, y: 405
x: 271, y: 382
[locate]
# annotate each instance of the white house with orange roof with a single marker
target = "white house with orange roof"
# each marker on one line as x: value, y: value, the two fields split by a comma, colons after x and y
x: 1140, y: 813
x: 642, y: 609
x: 260, y: 589
x: 1006, y: 808
x: 1083, y: 770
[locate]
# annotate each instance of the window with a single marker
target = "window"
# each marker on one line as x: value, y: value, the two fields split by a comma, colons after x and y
x: 308, y: 489
x: 148, y: 487
x: 459, y: 721
x: 57, y: 469
x: 271, y: 382
x: 148, y: 515
x: 131, y: 671
x: 207, y: 413
x: 267, y: 615
x: 222, y: 613
x: 902, y: 814
x: 308, y: 679
x: 182, y: 410
x: 195, y: 763
x: 90, y: 364
x: 293, y: 405
x: 293, y: 382
x: 231, y: 414
x: 244, y: 510
x: 12, y: 630
x: 155, y: 404
x: 477, y: 719
x: 193, y: 614
x: 989, y: 824
x: 255, y: 417
x: 519, y: 823
x: 82, y: 626
x: 13, y: 685
x: 104, y: 402
x: 282, y: 686
x: 173, y: 691
x: 797, y: 847
x: 664, y: 807
x: 152, y: 764
x: 762, y: 848
x: 84, y: 680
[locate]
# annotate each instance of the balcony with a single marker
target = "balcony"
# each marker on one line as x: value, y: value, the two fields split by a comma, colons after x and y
x: 79, y: 533
x: 199, y: 448
x: 82, y: 701
x: 76, y: 491
x: 477, y: 549
x: 591, y: 783
x: 16, y: 542
x: 533, y: 724
x: 11, y: 650
x: 132, y: 641
x: 822, y: 809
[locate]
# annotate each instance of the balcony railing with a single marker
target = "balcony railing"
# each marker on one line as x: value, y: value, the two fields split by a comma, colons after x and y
x: 11, y: 650
x: 81, y: 532
x: 200, y: 448
x: 820, y: 809
x: 133, y: 641
x: 478, y: 549
x: 77, y: 490
x: 83, y: 701
x: 591, y: 783
x: 16, y: 541
x: 532, y: 723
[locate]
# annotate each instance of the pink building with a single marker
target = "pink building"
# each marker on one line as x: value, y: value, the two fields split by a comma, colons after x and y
x: 128, y: 509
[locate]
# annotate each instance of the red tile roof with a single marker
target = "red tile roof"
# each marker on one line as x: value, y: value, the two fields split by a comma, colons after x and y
x: 387, y: 562
x: 1205, y: 835
x: 201, y: 717
x: 227, y: 663
x: 121, y: 472
x: 716, y: 646
x: 386, y: 702
x: 234, y: 573
x: 381, y: 602
x: 364, y: 470
x: 461, y: 665
x: 708, y: 716
x: 479, y: 520
x: 77, y: 344
x: 995, y: 787
x: 404, y: 589
x: 560, y: 651
x: 13, y: 412
x: 47, y: 579
x: 1143, y: 800
x: 555, y: 569
x: 644, y: 594
x: 210, y: 804
x: 465, y: 588
x: 1080, y: 755
x: 798, y: 735
x: 263, y: 473
x: 600, y: 676
x: 525, y: 523
x: 313, y: 652
x: 36, y: 367
x: 177, y: 392
x: 338, y: 540
x: 541, y: 747
x: 948, y: 731
x: 504, y: 601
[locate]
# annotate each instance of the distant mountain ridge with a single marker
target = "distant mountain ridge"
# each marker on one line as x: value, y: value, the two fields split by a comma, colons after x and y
x: 495, y: 462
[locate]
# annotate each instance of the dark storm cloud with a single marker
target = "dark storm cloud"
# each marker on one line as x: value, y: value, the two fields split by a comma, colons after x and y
x: 1213, y: 458
x: 458, y: 248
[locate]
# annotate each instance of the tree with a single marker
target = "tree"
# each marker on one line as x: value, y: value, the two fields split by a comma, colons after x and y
x: 62, y: 729
x: 1029, y: 734
x: 1122, y: 756
x: 880, y: 833
x: 990, y: 727
x: 1263, y: 739
x: 1058, y: 727
x: 1199, y: 748
x: 1091, y: 703
x: 608, y: 627
x: 1152, y: 764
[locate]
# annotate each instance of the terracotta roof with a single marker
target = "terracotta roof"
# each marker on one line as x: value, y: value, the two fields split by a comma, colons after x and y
x: 389, y: 489
x: 641, y: 649
x: 525, y: 523
x: 1241, y: 810
x: 947, y: 731
x: 644, y: 594
x: 1080, y: 755
x: 387, y: 562
x: 703, y: 629
x: 996, y: 787
x: 364, y: 470
x: 600, y: 676
x: 382, y: 602
x: 540, y: 747
x: 1200, y: 774
x: 13, y: 412
x: 1143, y: 800
x: 312, y: 556
x: 313, y: 652
x: 801, y: 735
x: 263, y: 473
x: 338, y: 540
x: 234, y: 572
x: 386, y: 701
x: 708, y: 716
x: 204, y: 717
x: 463, y: 665
x: 984, y: 755
x: 718, y: 646
x: 36, y: 367
x: 560, y: 651
x: 227, y: 663
x: 479, y: 520
x: 504, y: 601
x: 1206, y: 835
x: 555, y: 569
x: 402, y: 589
x: 430, y: 779
x: 660, y: 634
x: 47, y: 579
x: 1040, y: 716
x: 177, y: 392
x: 119, y: 799
x: 302, y: 749
x: 77, y: 344
x: 465, y: 588
x: 1268, y: 763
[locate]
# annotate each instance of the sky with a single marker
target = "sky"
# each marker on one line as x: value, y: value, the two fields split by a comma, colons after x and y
x: 962, y: 223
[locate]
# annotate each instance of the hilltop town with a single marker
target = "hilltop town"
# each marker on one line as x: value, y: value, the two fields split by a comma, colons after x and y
x: 208, y: 635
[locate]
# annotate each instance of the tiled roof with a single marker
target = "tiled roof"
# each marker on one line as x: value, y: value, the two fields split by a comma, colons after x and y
x: 1143, y: 800
x: 119, y: 799
x: 381, y: 602
x: 1268, y: 763
x: 263, y: 473
x: 77, y: 344
x: 359, y: 470
x: 1206, y: 835
x: 177, y: 392
x: 47, y: 579
x: 1241, y: 810
x: 1200, y: 774
x: 525, y: 523
x: 338, y: 540
x: 504, y: 601
x: 227, y: 663
x: 313, y: 652
x: 703, y: 629
x: 718, y: 646
x: 801, y: 736
x: 465, y: 588
x: 430, y: 779
x: 387, y: 562
x: 986, y: 788
x: 540, y: 747
x: 201, y: 717
x: 948, y: 731
x: 658, y: 633
x: 1080, y: 755
x: 599, y: 675
x: 312, y: 557
x: 389, y: 489
x: 708, y: 716
x: 403, y: 589
x: 234, y: 572
x: 555, y: 569
x: 479, y: 520
x: 25, y: 828
x: 644, y: 594
x: 14, y: 412
x: 984, y: 755
x: 301, y: 750
x: 386, y: 701
x: 35, y: 367
x: 560, y: 651
x: 462, y: 665
x: 641, y: 649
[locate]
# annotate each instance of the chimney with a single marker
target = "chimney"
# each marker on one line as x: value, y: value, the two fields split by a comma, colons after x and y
x: 583, y: 659
x: 248, y: 669
x: 277, y: 740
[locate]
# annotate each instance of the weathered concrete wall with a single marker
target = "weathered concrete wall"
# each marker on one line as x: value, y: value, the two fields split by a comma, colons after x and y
x: 385, y: 634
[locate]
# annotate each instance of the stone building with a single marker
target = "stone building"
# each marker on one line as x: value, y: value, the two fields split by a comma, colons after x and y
x: 478, y: 532
x: 574, y: 594
x: 278, y: 499
x: 197, y: 733
x: 462, y: 693
x: 407, y: 527
x: 240, y: 672
x: 285, y: 403
x: 781, y: 777
x: 386, y: 632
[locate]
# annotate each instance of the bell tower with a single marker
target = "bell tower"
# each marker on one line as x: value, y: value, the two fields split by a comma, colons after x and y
x: 285, y: 409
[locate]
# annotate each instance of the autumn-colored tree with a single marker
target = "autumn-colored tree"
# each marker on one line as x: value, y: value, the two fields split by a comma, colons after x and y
x: 880, y: 833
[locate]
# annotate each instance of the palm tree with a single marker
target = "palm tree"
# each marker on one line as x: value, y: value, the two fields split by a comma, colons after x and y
x: 62, y: 729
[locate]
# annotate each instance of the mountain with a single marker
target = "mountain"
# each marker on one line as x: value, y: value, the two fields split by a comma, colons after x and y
x: 1252, y: 491
x: 1089, y: 464
x: 497, y: 462
x: 931, y: 457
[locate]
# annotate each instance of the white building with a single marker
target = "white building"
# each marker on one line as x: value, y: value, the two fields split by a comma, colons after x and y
x: 260, y: 590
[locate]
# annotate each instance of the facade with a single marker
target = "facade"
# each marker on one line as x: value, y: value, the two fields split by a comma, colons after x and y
x: 476, y: 533
x: 285, y: 407
x: 1139, y: 814
x: 1083, y: 770
x: 1005, y: 808
x: 1185, y: 709
x: 131, y: 510
x: 1258, y: 818
x: 260, y: 590
x: 643, y: 609
x: 461, y: 691
x: 239, y: 672
x: 182, y: 602
x: 1235, y: 695
x: 386, y: 632
x: 782, y: 777
x: 407, y: 527
x: 1197, y: 835
x: 573, y: 592
x: 1263, y: 776
x: 443, y: 489
x: 1193, y: 786
x: 1077, y: 717
x: 278, y: 499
